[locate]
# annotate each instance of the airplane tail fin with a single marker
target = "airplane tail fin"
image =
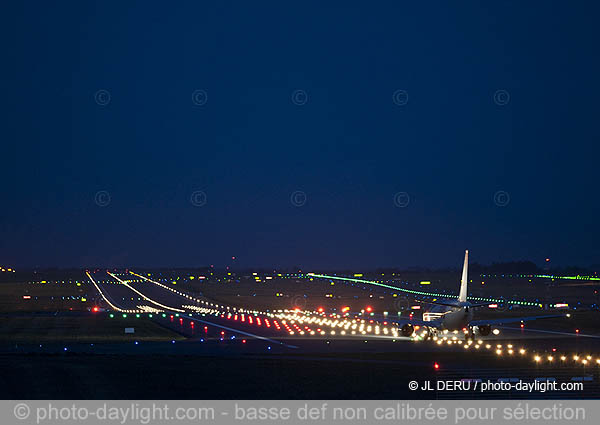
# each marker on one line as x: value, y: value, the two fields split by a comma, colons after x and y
x: 462, y: 296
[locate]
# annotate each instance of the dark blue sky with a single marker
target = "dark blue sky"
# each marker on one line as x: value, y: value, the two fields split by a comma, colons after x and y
x: 350, y: 148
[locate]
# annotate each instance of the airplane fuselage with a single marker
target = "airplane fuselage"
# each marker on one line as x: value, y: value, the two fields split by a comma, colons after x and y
x: 457, y: 318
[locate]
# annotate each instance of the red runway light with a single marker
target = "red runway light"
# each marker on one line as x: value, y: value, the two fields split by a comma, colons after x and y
x: 243, y: 341
x: 320, y: 309
x: 95, y: 309
x: 369, y: 309
x: 522, y: 325
x: 576, y: 331
x: 436, y: 366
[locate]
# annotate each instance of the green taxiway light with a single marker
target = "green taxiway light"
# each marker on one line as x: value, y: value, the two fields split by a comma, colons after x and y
x: 111, y: 315
x: 410, y: 291
x: 578, y: 277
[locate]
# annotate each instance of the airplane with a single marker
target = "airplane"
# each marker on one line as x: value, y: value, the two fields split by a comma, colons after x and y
x: 457, y: 315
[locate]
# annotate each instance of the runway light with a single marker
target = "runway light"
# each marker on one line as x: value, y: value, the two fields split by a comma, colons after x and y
x: 369, y: 309
x: 436, y: 366
x: 537, y: 358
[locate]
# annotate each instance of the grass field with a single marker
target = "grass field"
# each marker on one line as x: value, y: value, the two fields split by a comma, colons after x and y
x: 25, y: 296
x: 91, y: 328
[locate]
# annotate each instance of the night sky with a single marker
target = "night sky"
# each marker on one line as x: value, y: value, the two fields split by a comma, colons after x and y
x: 311, y: 134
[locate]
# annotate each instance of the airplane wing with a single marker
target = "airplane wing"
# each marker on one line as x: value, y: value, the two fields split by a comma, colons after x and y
x: 451, y: 303
x: 483, y: 304
x: 417, y: 322
x: 445, y: 304
x: 512, y: 320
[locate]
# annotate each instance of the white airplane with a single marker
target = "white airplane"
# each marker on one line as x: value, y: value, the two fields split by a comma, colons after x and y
x: 458, y: 314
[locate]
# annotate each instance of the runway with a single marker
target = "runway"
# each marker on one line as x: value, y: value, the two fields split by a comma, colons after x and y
x: 234, y: 330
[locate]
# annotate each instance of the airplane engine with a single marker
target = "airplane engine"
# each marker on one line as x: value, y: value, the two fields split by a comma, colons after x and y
x: 407, y: 329
x: 483, y: 330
